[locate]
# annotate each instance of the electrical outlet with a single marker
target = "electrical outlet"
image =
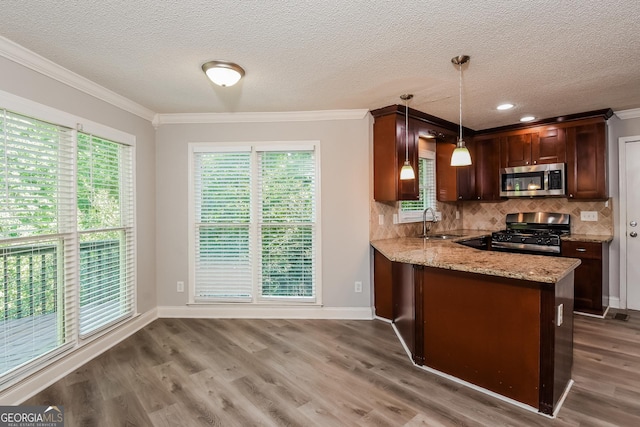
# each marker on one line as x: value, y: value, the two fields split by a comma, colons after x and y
x: 358, y: 287
x: 395, y: 218
x: 380, y: 219
x: 438, y: 216
x: 457, y: 214
x: 588, y: 216
x: 559, y: 318
x: 180, y: 286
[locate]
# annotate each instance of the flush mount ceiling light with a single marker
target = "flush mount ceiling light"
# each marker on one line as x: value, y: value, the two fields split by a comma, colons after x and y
x: 505, y: 106
x: 527, y: 119
x: 223, y: 73
x: 407, y: 170
x: 460, y: 156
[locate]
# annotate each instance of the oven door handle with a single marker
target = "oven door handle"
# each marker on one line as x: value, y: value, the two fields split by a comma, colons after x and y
x: 527, y: 247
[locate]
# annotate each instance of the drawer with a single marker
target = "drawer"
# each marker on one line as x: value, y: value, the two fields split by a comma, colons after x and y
x: 587, y: 250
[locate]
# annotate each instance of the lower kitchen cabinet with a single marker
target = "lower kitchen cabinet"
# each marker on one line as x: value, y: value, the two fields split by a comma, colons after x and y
x: 591, y: 283
x: 382, y: 286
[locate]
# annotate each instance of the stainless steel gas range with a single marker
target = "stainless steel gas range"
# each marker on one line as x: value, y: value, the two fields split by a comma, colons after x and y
x: 532, y: 233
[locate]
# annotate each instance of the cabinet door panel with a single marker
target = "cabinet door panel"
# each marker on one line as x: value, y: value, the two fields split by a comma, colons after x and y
x: 551, y: 146
x: 382, y: 286
x: 487, y: 153
x: 516, y: 150
x: 586, y: 161
x: 446, y: 175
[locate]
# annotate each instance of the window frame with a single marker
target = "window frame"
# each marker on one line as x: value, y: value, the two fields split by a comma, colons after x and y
x: 41, y: 112
x: 255, y: 146
x: 410, y: 216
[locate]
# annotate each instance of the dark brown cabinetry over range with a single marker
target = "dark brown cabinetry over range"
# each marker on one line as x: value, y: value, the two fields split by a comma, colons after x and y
x: 591, y: 284
x: 533, y: 146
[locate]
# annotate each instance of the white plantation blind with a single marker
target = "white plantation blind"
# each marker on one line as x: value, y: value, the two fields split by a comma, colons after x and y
x: 37, y: 244
x: 254, y: 223
x: 37, y: 177
x: 411, y: 210
x: 286, y: 223
x: 222, y: 225
x: 105, y: 225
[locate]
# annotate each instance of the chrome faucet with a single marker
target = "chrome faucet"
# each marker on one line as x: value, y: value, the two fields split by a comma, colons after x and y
x: 425, y: 230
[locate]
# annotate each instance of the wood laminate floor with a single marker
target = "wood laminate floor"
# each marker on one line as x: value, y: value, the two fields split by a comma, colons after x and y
x: 194, y: 372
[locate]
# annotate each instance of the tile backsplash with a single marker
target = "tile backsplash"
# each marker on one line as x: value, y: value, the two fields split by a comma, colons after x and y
x: 491, y: 216
x: 390, y: 230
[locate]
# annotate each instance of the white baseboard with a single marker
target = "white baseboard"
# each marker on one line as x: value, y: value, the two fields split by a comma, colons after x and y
x: 614, y: 302
x: 235, y: 311
x: 69, y: 362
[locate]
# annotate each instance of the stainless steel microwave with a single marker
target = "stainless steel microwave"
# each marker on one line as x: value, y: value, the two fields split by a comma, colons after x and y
x: 535, y: 180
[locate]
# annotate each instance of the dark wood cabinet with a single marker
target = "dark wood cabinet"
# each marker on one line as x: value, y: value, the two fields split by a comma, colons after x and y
x: 533, y: 146
x: 587, y: 160
x: 591, y: 283
x: 389, y: 154
x: 382, y: 286
x: 487, y: 169
x: 454, y: 183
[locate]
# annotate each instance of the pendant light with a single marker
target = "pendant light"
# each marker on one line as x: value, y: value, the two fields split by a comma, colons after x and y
x: 406, y: 172
x: 460, y: 156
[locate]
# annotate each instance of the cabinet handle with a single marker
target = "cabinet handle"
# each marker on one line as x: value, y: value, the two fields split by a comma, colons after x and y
x: 581, y: 250
x: 571, y: 195
x: 535, y: 162
x: 526, y: 163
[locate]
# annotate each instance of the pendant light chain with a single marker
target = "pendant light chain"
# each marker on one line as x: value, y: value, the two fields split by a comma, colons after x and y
x: 460, y: 65
x: 406, y: 129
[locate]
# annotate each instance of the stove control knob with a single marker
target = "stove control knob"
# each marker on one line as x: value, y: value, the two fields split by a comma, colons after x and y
x: 539, y: 241
x: 523, y: 239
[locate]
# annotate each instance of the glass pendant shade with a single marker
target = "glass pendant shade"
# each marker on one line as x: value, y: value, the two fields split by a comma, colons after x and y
x: 407, y: 171
x: 460, y: 156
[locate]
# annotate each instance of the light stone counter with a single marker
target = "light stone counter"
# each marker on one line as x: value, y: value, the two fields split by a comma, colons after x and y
x: 447, y: 254
x: 594, y: 238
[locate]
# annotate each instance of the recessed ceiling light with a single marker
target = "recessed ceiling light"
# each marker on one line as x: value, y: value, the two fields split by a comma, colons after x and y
x: 505, y: 106
x: 527, y: 119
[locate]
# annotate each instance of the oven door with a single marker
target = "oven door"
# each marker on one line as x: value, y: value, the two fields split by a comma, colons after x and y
x: 525, y: 248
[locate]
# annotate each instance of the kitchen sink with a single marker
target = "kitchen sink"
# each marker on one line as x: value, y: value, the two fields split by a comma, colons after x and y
x: 443, y: 236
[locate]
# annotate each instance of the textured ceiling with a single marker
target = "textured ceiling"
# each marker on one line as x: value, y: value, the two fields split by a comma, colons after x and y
x: 548, y: 57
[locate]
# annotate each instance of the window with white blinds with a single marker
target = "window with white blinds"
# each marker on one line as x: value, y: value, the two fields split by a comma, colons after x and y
x: 66, y: 239
x: 105, y: 229
x: 254, y: 223
x: 411, y: 210
x: 37, y: 242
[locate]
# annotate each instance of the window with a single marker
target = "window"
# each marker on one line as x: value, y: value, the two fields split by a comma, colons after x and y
x: 411, y: 210
x: 254, y: 228
x: 105, y: 230
x: 66, y: 239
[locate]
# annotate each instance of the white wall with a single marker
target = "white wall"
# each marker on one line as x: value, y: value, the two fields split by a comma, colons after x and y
x: 344, y: 150
x: 617, y: 129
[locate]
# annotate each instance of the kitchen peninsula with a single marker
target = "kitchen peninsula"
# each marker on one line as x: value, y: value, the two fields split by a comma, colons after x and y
x: 499, y: 321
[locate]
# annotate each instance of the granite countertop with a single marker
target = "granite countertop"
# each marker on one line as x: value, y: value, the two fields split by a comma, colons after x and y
x: 595, y: 238
x: 448, y: 254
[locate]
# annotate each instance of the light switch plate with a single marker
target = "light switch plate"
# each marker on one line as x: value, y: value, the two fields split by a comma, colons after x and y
x: 588, y: 216
x: 380, y: 219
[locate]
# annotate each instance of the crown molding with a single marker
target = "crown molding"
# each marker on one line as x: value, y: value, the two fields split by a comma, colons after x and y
x: 35, y: 62
x: 633, y: 113
x: 260, y: 117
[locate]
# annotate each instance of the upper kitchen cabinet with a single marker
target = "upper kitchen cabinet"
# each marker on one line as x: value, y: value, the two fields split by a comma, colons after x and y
x: 587, y: 159
x: 487, y: 168
x: 454, y: 183
x: 389, y: 149
x: 533, y: 146
x: 388, y: 157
